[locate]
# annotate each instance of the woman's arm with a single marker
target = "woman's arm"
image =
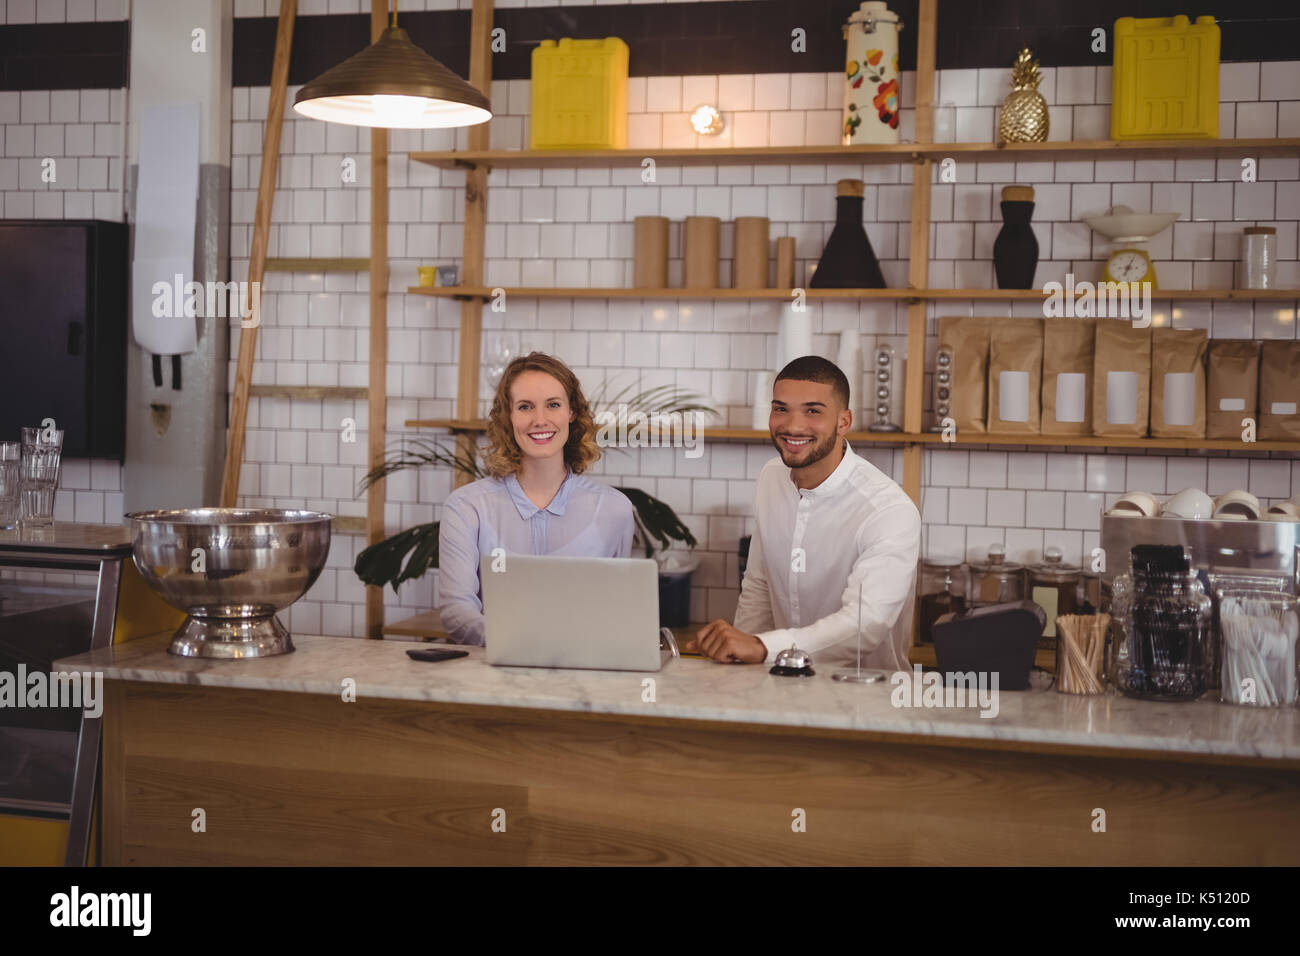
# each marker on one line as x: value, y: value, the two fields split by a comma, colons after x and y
x: 459, y: 593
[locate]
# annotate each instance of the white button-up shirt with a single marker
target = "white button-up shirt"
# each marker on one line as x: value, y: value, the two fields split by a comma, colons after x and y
x: 812, y: 549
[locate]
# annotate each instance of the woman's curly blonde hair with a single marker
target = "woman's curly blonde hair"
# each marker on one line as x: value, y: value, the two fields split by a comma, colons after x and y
x: 504, y: 456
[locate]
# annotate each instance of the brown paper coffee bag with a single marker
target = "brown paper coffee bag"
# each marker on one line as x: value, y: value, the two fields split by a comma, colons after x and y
x: 1015, y: 376
x: 1279, y: 391
x: 1067, y: 376
x: 1232, y: 392
x: 1121, y: 379
x: 1178, y: 383
x: 969, y: 340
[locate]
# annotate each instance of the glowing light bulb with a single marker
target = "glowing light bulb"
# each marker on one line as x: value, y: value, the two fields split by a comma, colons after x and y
x: 399, y: 111
x: 706, y: 120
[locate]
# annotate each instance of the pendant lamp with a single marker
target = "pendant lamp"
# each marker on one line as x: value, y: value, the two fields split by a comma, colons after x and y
x: 394, y: 84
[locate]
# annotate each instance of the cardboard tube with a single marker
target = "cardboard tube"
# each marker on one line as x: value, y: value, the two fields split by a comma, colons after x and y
x: 650, y: 252
x: 785, y: 262
x: 749, y: 270
x: 700, y: 252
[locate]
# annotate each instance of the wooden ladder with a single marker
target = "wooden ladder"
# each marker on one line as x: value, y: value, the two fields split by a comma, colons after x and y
x: 376, y: 392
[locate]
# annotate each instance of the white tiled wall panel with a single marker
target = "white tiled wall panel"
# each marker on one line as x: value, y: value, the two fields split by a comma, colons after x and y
x: 60, y: 11
x: 567, y: 227
x: 80, y: 131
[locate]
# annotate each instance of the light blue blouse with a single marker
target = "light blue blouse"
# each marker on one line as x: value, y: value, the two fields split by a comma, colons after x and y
x: 584, y: 519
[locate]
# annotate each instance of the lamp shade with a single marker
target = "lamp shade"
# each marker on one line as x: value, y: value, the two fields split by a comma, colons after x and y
x: 393, y: 83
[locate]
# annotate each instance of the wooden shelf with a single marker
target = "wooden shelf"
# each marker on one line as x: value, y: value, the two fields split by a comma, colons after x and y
x: 707, y: 432
x: 539, y: 292
x: 310, y: 392
x: 935, y: 438
x: 897, y: 295
x: 740, y: 155
x: 939, y: 295
x: 1113, y: 149
x: 1094, y: 441
x: 317, y: 265
x: 814, y: 155
x: 451, y: 424
x: 428, y: 625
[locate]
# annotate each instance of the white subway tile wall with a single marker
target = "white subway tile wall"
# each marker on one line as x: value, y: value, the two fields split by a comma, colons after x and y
x: 61, y: 159
x: 62, y: 154
x: 567, y: 227
x: 60, y: 11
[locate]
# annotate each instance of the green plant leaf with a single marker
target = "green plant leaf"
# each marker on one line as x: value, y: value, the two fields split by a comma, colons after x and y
x: 382, y: 563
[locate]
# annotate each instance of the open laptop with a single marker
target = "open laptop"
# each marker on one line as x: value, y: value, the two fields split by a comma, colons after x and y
x: 592, y: 613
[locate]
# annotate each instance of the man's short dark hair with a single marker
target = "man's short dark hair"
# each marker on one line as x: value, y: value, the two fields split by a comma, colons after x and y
x: 814, y: 368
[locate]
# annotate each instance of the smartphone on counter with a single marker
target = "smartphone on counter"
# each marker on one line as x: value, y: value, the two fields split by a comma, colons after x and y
x: 434, y: 654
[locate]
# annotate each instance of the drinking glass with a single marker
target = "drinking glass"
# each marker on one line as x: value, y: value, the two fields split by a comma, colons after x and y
x: 11, y: 453
x: 39, y: 476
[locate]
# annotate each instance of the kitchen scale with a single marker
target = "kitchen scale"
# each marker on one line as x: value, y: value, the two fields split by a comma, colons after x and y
x: 1130, y: 231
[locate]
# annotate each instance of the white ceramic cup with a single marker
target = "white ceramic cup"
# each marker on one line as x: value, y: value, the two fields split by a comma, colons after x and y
x: 1237, y: 505
x: 1136, y: 503
x: 1283, y: 511
x: 1189, y: 503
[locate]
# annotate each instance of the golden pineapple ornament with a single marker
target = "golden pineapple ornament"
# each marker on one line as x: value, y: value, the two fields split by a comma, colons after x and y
x: 1024, y: 117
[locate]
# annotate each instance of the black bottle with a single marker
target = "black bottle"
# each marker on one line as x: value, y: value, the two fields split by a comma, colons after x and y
x: 1015, y: 251
x: 848, y: 261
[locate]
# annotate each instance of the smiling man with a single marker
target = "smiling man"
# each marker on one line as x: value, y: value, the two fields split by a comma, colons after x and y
x: 828, y: 526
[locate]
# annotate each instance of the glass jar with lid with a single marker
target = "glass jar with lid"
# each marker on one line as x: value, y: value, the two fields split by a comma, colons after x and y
x: 1054, y: 586
x: 940, y: 590
x: 997, y: 580
x: 1169, y: 630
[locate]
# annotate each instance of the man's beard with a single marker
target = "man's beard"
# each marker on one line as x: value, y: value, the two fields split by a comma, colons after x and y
x: 820, y: 449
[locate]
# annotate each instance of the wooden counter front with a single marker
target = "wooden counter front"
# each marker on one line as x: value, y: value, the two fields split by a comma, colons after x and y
x: 301, y: 778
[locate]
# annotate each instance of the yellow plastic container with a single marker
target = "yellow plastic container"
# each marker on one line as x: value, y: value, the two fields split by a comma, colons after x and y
x: 1166, y: 83
x: 580, y: 94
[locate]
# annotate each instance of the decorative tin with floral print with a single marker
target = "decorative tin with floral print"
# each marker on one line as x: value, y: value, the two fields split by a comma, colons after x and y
x: 871, y: 94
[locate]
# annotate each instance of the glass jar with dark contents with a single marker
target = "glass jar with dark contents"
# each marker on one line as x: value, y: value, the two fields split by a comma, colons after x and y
x: 940, y: 590
x: 1054, y: 586
x: 997, y: 580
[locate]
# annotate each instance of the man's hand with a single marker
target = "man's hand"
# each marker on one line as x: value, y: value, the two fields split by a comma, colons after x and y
x: 722, y: 642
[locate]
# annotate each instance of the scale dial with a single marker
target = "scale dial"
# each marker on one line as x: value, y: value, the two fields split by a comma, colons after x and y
x: 1130, y: 265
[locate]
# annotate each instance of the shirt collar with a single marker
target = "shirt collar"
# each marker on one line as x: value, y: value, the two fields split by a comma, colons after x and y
x: 525, y: 505
x: 834, y: 481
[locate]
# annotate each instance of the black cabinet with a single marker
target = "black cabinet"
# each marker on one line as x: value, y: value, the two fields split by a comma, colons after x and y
x: 63, y: 322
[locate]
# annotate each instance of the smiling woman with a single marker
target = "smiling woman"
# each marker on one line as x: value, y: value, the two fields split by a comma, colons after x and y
x: 535, y: 500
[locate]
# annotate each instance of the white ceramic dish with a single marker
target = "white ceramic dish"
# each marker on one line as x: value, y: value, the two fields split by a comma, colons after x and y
x: 1189, y: 503
x: 1122, y: 224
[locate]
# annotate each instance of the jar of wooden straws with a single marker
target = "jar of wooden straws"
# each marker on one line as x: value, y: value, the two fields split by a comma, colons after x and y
x: 1081, y: 652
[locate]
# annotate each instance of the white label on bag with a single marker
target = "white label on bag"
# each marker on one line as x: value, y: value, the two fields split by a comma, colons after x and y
x: 1282, y: 408
x: 1232, y: 404
x: 1180, y: 398
x: 1071, y: 395
x: 1013, y: 396
x: 1121, y: 398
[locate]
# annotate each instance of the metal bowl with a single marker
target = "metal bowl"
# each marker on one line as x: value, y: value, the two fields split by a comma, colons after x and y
x: 230, y: 570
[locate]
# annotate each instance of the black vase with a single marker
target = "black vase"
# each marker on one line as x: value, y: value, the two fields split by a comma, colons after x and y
x: 848, y: 261
x: 1015, y: 251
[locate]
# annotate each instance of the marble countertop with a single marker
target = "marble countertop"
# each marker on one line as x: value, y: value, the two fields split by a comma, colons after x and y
x: 694, y: 689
